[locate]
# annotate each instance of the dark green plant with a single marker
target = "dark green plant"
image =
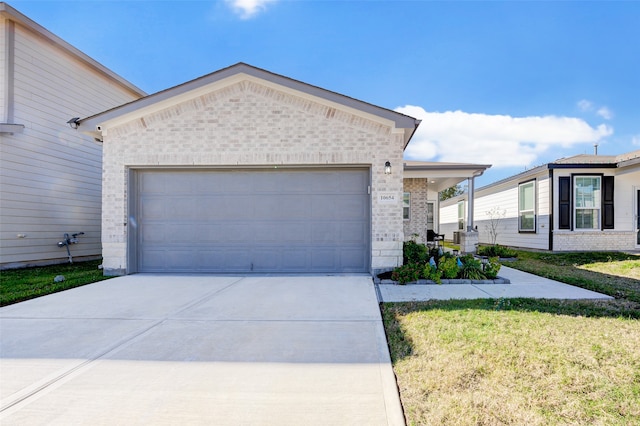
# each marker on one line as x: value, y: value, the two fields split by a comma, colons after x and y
x: 492, y: 267
x: 496, y: 250
x: 414, y: 252
x: 431, y: 273
x: 448, y: 267
x: 407, y: 273
x: 471, y: 268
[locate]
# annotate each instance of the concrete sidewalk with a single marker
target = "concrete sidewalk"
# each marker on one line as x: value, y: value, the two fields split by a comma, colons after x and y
x: 189, y: 350
x: 522, y: 284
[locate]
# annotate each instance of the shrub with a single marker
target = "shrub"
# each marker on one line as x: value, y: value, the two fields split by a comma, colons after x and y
x: 471, y: 268
x: 414, y: 252
x: 448, y: 267
x: 406, y: 273
x: 492, y: 268
x: 497, y: 251
x: 431, y: 273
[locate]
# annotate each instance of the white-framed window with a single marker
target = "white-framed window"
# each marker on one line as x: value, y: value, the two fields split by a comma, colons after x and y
x: 406, y: 206
x: 587, y: 202
x: 527, y: 206
x: 430, y: 215
x: 461, y: 215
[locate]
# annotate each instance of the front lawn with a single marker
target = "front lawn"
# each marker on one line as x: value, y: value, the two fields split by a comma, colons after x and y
x: 17, y: 285
x: 612, y: 273
x: 514, y: 362
x: 525, y: 361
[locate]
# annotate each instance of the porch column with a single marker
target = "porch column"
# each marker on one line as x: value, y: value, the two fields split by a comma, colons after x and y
x: 470, y: 194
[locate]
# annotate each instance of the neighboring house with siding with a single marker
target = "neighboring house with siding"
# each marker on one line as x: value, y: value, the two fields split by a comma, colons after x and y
x: 584, y: 202
x: 247, y: 171
x: 50, y: 174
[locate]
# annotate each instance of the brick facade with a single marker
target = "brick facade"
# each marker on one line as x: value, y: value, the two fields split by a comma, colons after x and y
x: 417, y: 223
x: 593, y: 240
x: 247, y: 123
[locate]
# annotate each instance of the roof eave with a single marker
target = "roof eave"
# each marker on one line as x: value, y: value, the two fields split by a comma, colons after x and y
x: 401, y: 121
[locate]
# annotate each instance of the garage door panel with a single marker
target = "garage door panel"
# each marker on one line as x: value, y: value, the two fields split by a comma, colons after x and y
x: 233, y: 233
x: 352, y: 182
x: 323, y: 259
x: 152, y: 183
x: 180, y: 233
x: 352, y: 259
x: 152, y: 260
x: 180, y: 208
x: 152, y: 208
x: 355, y: 233
x: 150, y: 233
x: 296, y: 260
x: 325, y: 232
x: 253, y: 221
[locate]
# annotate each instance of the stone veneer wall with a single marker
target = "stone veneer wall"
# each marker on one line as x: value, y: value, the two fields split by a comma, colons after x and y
x: 250, y: 124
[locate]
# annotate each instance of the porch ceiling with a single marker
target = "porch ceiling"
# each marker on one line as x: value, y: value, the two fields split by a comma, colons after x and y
x: 441, y: 176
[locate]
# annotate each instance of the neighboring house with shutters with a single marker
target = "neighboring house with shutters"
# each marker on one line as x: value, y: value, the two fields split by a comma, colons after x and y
x: 580, y: 203
x: 247, y: 171
x: 50, y: 174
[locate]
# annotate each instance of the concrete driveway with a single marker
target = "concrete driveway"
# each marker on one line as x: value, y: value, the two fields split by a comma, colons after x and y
x: 148, y: 349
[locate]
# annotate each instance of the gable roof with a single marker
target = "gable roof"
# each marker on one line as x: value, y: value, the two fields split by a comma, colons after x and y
x: 401, y: 121
x: 13, y: 15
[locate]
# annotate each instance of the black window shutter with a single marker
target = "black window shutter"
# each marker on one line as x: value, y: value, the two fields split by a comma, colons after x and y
x: 607, y: 202
x: 564, y: 202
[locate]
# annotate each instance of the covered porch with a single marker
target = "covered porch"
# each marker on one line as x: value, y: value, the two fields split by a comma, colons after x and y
x: 423, y: 181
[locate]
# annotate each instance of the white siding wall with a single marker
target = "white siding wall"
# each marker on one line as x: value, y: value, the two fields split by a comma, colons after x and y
x: 504, y: 197
x: 623, y: 237
x: 51, y: 174
x: 501, y: 202
x: 449, y: 217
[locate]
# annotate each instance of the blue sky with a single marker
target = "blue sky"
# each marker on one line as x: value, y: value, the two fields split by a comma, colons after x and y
x: 514, y: 84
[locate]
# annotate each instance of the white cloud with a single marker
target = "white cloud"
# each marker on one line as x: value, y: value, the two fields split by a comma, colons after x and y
x: 501, y: 140
x: 605, y: 113
x: 635, y: 140
x: 247, y: 9
x: 585, y: 105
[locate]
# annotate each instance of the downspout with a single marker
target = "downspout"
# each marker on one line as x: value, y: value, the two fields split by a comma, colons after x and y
x: 550, y: 209
x: 471, y: 194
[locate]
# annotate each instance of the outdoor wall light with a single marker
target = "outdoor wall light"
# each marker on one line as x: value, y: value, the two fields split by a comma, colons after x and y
x: 387, y: 168
x: 74, y: 122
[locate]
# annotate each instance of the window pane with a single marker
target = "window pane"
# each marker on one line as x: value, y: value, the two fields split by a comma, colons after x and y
x: 430, y: 207
x: 587, y: 219
x: 587, y: 191
x: 527, y: 221
x: 527, y: 196
x: 406, y: 205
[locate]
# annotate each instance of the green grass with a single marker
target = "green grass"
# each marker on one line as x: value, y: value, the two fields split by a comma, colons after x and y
x: 525, y: 361
x: 17, y: 285
x: 514, y: 362
x: 612, y: 273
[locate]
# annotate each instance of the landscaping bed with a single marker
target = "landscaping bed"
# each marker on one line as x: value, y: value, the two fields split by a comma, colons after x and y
x: 424, y: 265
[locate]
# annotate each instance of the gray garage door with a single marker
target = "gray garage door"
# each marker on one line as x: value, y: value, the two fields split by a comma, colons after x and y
x: 260, y: 221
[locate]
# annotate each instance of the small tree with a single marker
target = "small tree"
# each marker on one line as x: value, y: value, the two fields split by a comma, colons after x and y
x: 495, y: 215
x: 451, y: 192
